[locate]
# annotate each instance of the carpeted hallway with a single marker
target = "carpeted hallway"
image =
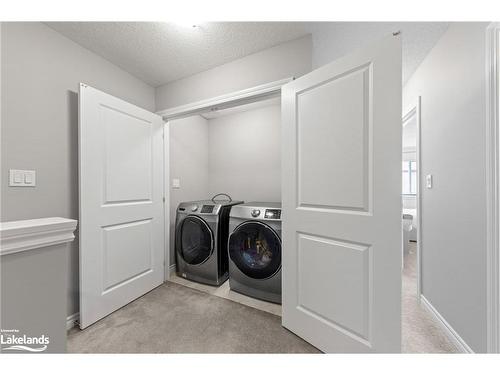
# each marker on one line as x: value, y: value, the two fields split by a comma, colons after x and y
x: 175, y: 319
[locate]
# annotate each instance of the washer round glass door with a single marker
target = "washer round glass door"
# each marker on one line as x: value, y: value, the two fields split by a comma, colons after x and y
x: 196, y: 240
x: 255, y: 249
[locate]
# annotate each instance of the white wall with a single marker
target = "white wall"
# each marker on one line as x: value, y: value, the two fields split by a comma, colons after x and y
x: 189, y: 163
x: 245, y: 154
x: 451, y: 81
x: 41, y: 71
x: 285, y: 60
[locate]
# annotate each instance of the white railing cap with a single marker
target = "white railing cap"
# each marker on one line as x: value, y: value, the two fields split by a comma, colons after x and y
x: 22, y: 235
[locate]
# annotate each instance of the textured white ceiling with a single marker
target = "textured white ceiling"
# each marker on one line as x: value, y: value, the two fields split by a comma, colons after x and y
x: 160, y: 52
x: 418, y: 38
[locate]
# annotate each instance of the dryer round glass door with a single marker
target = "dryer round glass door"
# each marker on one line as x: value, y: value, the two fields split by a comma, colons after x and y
x: 255, y: 248
x: 196, y: 240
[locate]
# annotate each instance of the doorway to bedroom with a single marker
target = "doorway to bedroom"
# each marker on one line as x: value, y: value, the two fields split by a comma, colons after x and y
x: 420, y: 332
x: 410, y: 189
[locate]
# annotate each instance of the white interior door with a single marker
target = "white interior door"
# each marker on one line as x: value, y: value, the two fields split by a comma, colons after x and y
x: 121, y: 203
x: 342, y: 202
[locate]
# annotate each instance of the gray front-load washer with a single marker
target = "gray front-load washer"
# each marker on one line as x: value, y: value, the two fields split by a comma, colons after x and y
x: 254, y: 247
x: 201, y: 232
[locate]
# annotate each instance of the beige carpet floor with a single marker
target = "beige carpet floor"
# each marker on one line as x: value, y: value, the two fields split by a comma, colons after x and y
x: 421, y: 333
x: 174, y: 318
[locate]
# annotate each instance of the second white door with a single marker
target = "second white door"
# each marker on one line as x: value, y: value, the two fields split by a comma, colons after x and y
x: 342, y: 202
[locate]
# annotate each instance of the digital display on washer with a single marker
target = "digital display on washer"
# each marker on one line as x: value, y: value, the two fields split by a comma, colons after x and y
x: 207, y: 209
x: 272, y: 214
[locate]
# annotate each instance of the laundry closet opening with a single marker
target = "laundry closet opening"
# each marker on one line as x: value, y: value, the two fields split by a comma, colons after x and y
x: 235, y: 150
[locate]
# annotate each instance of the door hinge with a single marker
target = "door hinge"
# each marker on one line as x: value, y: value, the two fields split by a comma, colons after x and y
x: 163, y: 199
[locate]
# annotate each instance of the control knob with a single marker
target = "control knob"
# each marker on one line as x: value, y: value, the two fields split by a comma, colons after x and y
x: 255, y: 213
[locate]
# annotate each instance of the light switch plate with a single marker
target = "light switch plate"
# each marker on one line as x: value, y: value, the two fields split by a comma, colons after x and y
x: 176, y: 183
x: 18, y: 177
x: 428, y: 181
x: 23, y: 178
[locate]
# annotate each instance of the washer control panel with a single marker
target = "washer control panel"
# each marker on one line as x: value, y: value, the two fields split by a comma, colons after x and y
x: 273, y: 214
x: 207, y: 208
x: 255, y: 212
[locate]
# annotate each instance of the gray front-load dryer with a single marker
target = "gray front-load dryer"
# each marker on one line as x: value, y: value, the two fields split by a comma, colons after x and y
x: 254, y: 247
x: 201, y: 232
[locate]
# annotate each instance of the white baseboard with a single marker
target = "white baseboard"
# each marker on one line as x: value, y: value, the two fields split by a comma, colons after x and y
x: 71, y: 321
x: 447, y: 328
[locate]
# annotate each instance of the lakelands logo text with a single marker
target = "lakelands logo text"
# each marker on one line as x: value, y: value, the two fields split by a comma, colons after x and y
x: 12, y: 340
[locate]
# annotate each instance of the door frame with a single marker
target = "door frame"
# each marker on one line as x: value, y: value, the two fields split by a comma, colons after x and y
x: 233, y: 99
x: 415, y: 110
x: 492, y: 77
x: 166, y: 200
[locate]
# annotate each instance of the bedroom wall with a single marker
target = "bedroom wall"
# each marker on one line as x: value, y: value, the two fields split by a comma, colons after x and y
x: 41, y: 71
x: 451, y: 81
